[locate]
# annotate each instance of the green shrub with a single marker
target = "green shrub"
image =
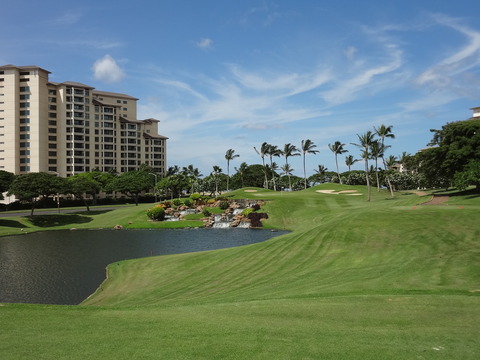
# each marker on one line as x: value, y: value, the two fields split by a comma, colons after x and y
x: 187, y: 202
x: 177, y: 202
x: 195, y: 196
x: 224, y: 205
x: 156, y: 213
x: 206, y: 212
x: 248, y: 211
x: 166, y: 204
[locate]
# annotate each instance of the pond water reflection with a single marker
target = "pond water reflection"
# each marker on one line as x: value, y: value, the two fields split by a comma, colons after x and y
x: 65, y: 267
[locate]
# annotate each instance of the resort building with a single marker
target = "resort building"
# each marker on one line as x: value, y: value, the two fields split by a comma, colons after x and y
x: 69, y: 128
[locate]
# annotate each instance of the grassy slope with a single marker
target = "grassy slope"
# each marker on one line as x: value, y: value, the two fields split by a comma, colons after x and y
x: 386, y: 279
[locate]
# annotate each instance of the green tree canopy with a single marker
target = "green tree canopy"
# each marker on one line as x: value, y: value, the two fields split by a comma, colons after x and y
x: 132, y: 183
x: 453, y: 148
x: 31, y: 187
x: 6, y: 179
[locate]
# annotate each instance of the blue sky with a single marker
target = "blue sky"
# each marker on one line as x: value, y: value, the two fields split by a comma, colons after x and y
x: 223, y: 74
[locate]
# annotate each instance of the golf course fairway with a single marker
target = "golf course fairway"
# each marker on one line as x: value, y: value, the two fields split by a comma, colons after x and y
x: 385, y: 279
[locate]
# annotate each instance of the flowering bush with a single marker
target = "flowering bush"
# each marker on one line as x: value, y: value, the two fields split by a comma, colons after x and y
x: 156, y: 213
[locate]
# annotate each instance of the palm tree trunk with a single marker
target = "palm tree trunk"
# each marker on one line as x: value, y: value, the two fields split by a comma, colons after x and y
x: 304, y: 172
x: 376, y: 175
x: 368, y: 180
x: 338, y: 172
x: 390, y: 187
x: 228, y: 174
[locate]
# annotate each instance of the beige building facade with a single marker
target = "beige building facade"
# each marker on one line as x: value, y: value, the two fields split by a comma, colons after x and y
x: 69, y: 128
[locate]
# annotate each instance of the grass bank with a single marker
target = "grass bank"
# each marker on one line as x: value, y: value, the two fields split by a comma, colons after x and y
x: 387, y: 279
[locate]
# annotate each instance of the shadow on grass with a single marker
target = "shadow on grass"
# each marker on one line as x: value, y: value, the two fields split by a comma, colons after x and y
x: 92, y: 212
x: 58, y: 220
x: 11, y: 223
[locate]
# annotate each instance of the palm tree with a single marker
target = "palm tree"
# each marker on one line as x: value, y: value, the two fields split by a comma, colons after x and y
x: 263, y: 151
x: 241, y: 171
x: 273, y: 150
x: 402, y: 160
x: 377, y: 150
x: 273, y: 167
x: 192, y: 174
x: 288, y: 151
x: 307, y: 147
x: 337, y: 149
x: 217, y: 170
x: 229, y: 155
x: 349, y: 161
x: 364, y: 143
x: 321, y: 170
x: 287, y: 170
x: 383, y: 132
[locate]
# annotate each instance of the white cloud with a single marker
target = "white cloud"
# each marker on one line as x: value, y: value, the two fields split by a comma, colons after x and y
x: 443, y: 74
x: 205, y: 43
x: 350, y: 52
x: 68, y: 18
x: 348, y: 89
x: 106, y: 69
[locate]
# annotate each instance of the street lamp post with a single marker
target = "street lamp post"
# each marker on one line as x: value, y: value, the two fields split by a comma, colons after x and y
x: 155, y: 187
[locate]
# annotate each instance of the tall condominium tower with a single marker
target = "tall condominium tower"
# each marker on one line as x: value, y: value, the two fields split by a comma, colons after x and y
x: 68, y: 128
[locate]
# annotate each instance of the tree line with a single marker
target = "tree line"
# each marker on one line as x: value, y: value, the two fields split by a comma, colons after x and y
x: 452, y: 158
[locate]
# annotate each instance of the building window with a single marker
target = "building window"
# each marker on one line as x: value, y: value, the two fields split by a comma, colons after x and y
x: 24, y: 105
x: 52, y: 92
x: 24, y: 73
x: 52, y: 161
x: 24, y: 168
x: 24, y: 96
x: 52, y: 99
x: 52, y: 122
x: 52, y: 115
x: 52, y: 153
x: 24, y: 88
x: 52, y: 138
x: 24, y: 128
x: 24, y: 136
x: 52, y: 168
x: 24, y: 112
x: 24, y: 79
x: 24, y: 152
x: 24, y: 144
x: 25, y: 121
x: 53, y: 146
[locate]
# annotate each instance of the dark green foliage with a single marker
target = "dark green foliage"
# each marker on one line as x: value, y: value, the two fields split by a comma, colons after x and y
x: 206, y: 212
x: 32, y: 186
x: 252, y: 176
x: 177, y: 202
x: 6, y: 178
x: 156, y: 213
x: 131, y: 184
x: 224, y: 205
x: 188, y: 202
x: 454, y: 146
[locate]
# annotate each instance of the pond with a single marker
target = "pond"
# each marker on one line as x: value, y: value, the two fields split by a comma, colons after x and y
x: 65, y: 267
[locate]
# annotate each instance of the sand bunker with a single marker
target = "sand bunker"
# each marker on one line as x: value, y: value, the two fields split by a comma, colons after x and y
x: 251, y: 190
x: 353, y: 194
x: 326, y: 191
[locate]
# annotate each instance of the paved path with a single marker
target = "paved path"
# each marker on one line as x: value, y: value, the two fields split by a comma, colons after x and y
x: 5, y: 214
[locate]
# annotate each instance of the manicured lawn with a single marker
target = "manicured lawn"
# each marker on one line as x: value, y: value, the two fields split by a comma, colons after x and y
x: 389, y: 279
